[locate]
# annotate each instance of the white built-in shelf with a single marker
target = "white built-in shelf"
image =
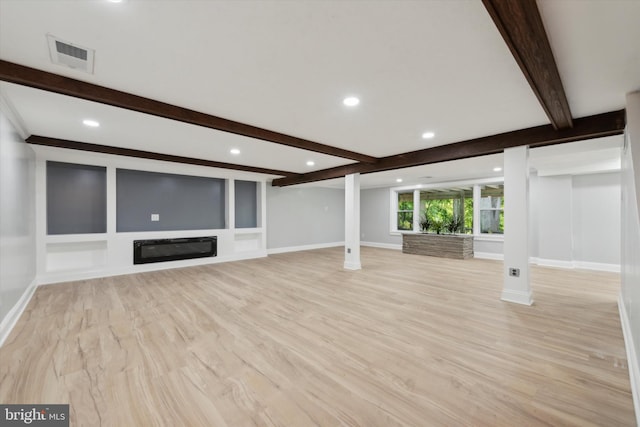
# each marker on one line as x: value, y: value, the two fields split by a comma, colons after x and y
x: 76, y: 238
x: 248, y: 230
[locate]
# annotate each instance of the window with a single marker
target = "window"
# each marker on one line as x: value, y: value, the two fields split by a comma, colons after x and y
x: 462, y: 208
x: 492, y: 209
x: 447, y: 210
x: 405, y: 212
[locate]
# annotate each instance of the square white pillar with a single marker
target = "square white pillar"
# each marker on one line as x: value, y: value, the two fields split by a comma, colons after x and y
x: 352, y: 222
x: 517, y: 287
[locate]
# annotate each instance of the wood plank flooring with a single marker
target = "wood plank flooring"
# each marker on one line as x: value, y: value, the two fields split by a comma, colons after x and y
x: 295, y: 340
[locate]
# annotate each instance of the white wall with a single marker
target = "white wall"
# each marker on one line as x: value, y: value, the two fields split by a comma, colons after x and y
x: 304, y: 217
x: 596, y: 218
x: 630, y: 224
x: 488, y: 247
x: 374, y: 218
x: 551, y: 218
x: 575, y: 221
x: 17, y: 231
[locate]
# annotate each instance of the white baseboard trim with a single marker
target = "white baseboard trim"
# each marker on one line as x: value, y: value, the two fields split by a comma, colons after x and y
x: 583, y: 265
x: 598, y: 266
x: 632, y: 358
x: 352, y: 266
x: 14, y: 314
x: 303, y: 248
x: 393, y: 246
x: 543, y: 262
x: 488, y: 255
x: 72, y: 276
x: 517, y: 297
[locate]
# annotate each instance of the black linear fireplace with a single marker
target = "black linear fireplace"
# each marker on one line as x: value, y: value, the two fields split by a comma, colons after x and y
x: 158, y: 250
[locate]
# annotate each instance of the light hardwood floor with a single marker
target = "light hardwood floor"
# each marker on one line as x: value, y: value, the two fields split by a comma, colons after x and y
x: 294, y: 340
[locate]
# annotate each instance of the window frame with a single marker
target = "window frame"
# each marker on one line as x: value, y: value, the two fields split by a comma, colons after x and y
x: 416, y: 189
x: 499, y: 209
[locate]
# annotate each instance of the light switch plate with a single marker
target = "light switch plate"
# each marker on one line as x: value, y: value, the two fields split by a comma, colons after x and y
x: 155, y: 217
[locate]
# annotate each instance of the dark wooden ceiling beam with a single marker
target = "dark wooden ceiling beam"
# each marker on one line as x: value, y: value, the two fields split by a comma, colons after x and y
x: 118, y: 151
x: 26, y: 76
x: 597, y: 126
x: 521, y: 27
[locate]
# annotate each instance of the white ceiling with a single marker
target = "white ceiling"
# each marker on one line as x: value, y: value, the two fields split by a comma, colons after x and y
x: 287, y: 65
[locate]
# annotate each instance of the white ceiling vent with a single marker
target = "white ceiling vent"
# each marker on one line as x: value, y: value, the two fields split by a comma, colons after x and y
x: 70, y: 55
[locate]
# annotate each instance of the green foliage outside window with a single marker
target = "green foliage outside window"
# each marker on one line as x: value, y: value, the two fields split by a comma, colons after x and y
x: 450, y: 210
x: 447, y: 216
x: 405, y: 212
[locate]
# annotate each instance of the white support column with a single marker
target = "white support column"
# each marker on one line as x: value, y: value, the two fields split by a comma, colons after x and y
x: 113, y: 251
x: 477, y: 195
x: 231, y: 204
x: 111, y: 201
x: 41, y: 216
x: 352, y: 222
x: 416, y: 210
x: 262, y: 213
x: 517, y: 287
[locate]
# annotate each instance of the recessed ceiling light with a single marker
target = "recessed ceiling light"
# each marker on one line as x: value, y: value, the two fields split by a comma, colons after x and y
x: 90, y: 123
x: 428, y: 135
x: 234, y: 151
x: 116, y: 1
x: 311, y: 163
x: 497, y: 169
x: 351, y: 101
x: 399, y: 180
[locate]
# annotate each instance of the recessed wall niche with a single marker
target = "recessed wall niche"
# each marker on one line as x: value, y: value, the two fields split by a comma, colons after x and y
x: 246, y: 207
x: 76, y: 198
x: 152, y: 201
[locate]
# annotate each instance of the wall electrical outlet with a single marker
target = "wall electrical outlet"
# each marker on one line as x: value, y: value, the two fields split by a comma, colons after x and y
x: 348, y: 250
x: 155, y: 217
x: 514, y: 272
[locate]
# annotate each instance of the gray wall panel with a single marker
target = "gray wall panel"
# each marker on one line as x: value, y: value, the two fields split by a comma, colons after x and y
x: 246, y: 204
x: 76, y: 198
x: 182, y: 202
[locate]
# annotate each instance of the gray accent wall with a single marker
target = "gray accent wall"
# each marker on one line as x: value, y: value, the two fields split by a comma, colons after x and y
x: 17, y: 216
x: 300, y: 216
x: 76, y: 198
x: 246, y: 197
x: 374, y: 217
x: 181, y: 202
